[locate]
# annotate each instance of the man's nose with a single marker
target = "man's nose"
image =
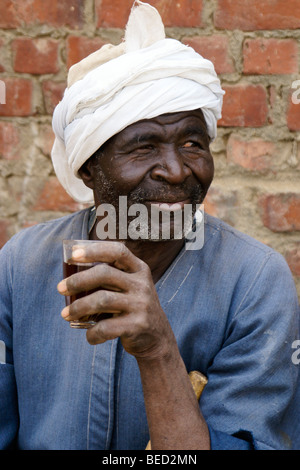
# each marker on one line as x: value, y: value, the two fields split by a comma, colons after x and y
x: 171, y: 167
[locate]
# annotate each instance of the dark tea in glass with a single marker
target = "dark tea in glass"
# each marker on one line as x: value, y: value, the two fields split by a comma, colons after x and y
x: 71, y: 267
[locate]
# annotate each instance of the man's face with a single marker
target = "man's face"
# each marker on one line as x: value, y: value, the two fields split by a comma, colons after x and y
x: 161, y: 160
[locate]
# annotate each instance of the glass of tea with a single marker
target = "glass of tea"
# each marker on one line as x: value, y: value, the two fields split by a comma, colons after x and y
x: 71, y: 267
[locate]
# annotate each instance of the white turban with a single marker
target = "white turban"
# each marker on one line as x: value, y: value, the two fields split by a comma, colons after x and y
x: 144, y: 77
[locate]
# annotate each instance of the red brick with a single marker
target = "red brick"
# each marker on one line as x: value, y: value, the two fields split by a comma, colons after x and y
x: 293, y: 112
x: 251, y: 15
x: 53, y: 197
x: 223, y: 204
x: 280, y: 212
x: 79, y: 47
x: 9, y: 16
x: 36, y: 56
x: 18, y: 97
x: 9, y: 141
x: 244, y: 106
x: 53, y: 93
x: 14, y: 13
x: 214, y: 48
x: 270, y: 56
x: 185, y: 13
x: 293, y: 259
x: 255, y: 155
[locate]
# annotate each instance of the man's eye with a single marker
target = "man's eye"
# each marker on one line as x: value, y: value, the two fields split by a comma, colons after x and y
x: 192, y: 145
x: 144, y: 149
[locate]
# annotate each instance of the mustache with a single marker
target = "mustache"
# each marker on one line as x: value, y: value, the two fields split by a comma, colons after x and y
x: 166, y: 192
x: 162, y: 191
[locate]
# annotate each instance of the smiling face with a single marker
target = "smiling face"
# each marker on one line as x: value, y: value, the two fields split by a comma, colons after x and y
x: 164, y: 160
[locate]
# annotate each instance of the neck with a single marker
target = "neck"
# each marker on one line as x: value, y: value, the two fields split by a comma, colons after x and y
x: 157, y: 255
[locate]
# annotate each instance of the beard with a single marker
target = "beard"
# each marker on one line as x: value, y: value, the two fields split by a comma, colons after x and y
x: 179, y: 224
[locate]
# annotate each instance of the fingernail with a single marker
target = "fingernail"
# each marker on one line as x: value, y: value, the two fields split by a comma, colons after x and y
x: 78, y: 253
x: 65, y: 313
x: 62, y: 287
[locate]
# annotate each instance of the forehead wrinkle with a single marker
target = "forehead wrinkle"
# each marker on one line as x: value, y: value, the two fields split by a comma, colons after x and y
x: 139, y: 138
x: 160, y: 131
x: 183, y: 123
x: 194, y: 129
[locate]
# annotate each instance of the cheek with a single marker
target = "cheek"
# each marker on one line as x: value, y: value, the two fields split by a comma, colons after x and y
x: 203, y: 169
x: 128, y: 176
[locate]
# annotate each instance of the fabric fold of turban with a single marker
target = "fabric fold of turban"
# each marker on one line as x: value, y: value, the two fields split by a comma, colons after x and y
x: 143, y: 77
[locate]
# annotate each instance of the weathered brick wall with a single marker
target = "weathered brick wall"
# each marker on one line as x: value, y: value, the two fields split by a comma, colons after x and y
x: 255, y: 47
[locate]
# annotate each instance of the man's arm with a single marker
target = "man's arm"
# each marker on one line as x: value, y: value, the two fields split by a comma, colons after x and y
x: 174, y: 417
x: 251, y: 380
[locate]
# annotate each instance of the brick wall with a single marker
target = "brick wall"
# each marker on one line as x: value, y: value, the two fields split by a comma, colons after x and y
x: 255, y: 47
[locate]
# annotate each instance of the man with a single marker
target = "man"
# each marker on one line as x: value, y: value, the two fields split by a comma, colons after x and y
x: 136, y: 121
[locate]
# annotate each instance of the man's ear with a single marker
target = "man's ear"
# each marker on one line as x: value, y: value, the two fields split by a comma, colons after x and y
x: 86, y: 173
